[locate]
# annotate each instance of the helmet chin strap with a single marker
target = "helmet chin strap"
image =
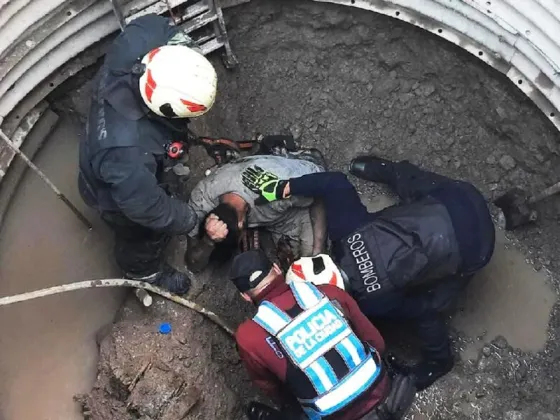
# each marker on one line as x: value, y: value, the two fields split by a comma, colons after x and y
x: 138, y: 69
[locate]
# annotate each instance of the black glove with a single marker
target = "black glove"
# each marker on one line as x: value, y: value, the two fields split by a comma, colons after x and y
x: 401, y: 396
x: 259, y: 411
x: 276, y: 141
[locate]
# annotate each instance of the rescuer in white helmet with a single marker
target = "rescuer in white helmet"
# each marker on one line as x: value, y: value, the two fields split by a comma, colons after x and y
x: 319, y: 269
x: 153, y: 80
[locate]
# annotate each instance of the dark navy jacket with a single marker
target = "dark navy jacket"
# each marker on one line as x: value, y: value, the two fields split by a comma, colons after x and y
x: 123, y: 154
x: 438, y: 236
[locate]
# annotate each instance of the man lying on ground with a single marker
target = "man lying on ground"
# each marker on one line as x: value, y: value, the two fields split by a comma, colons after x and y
x: 222, y: 197
x: 312, y: 346
x: 409, y: 261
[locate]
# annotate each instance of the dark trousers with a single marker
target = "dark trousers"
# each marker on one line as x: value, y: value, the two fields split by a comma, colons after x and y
x: 426, y: 304
x: 138, y: 250
x: 419, y: 307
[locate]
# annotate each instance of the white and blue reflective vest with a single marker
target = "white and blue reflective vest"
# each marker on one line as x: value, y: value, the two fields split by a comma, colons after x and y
x: 320, y: 344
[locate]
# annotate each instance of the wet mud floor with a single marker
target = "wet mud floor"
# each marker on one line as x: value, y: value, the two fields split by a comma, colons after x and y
x: 47, y: 346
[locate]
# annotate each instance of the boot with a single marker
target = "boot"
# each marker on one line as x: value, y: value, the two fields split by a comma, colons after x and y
x: 437, y: 354
x: 168, y: 278
x: 427, y: 372
x: 258, y: 411
x: 372, y: 168
x: 173, y: 280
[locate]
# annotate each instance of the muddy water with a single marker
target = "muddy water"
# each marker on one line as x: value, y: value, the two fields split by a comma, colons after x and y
x: 47, y: 346
x: 507, y: 298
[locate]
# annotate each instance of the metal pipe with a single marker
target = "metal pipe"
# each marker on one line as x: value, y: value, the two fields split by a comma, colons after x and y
x: 44, y: 177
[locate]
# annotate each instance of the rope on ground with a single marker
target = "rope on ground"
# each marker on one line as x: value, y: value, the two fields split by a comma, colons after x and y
x: 93, y: 284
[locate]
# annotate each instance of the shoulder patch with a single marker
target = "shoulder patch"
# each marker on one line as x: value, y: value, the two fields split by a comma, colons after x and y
x: 274, y: 346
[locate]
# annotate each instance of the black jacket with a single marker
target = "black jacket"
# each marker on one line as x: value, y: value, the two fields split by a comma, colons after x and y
x: 123, y: 154
x: 403, y: 247
x: 394, y: 249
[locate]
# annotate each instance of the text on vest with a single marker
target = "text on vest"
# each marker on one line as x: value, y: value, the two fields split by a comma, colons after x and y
x: 364, y: 263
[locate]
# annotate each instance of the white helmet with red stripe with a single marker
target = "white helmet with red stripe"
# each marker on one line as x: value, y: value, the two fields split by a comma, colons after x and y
x: 178, y: 82
x: 320, y: 269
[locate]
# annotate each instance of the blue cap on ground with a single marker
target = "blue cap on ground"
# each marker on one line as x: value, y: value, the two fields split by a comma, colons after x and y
x: 165, y: 328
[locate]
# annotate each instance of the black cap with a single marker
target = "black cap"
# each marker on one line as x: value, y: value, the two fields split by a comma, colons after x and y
x: 249, y: 269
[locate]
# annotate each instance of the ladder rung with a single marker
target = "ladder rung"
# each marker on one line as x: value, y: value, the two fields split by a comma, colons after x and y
x: 211, y: 45
x: 205, y: 39
x: 195, y: 10
x: 199, y: 21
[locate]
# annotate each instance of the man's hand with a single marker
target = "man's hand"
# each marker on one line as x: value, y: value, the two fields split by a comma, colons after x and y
x: 264, y: 183
x: 215, y: 228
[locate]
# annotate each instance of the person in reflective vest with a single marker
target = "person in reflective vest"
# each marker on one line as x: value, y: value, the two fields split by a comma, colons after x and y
x: 406, y: 262
x: 313, y: 345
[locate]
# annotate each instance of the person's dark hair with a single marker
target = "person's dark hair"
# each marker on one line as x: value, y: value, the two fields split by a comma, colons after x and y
x: 224, y: 249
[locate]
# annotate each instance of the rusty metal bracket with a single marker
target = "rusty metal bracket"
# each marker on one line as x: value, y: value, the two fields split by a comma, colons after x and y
x: 117, y: 9
x: 228, y: 58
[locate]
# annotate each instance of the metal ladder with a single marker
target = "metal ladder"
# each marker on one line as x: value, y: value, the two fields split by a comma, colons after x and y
x: 203, y: 20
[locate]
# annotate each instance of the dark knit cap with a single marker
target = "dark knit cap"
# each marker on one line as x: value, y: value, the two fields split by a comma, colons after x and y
x: 249, y: 269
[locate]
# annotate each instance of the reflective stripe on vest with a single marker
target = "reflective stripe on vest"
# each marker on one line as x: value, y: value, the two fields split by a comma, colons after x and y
x: 308, y: 337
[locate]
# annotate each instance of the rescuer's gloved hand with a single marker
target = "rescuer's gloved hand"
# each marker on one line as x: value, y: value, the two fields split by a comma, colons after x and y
x: 266, y: 184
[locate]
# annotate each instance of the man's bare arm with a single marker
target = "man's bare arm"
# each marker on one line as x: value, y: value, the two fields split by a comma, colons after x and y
x: 319, y: 225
